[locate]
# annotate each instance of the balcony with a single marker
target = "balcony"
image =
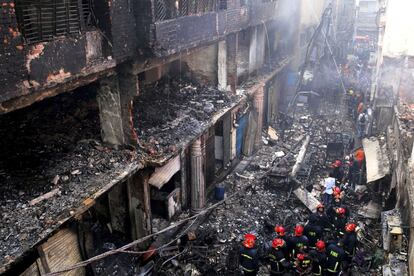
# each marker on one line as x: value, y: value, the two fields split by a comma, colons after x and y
x: 180, y: 25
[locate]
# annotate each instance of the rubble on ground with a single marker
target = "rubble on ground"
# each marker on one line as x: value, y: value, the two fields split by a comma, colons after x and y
x: 269, y: 201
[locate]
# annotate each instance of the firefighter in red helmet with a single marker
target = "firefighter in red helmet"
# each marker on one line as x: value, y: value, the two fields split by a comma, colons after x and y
x: 298, y: 242
x: 249, y: 256
x: 350, y: 241
x: 279, y: 265
x: 318, y: 257
x: 303, y: 264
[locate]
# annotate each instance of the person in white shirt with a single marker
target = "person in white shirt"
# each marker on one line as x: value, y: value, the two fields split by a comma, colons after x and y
x: 329, y: 184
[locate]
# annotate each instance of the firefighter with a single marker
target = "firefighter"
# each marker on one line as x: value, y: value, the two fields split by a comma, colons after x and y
x: 313, y: 231
x: 350, y: 242
x: 335, y: 257
x: 320, y: 217
x: 338, y: 172
x: 281, y: 234
x: 339, y: 221
x: 337, y: 193
x: 318, y: 256
x: 303, y: 264
x: 249, y: 256
x: 279, y: 265
x: 299, y: 242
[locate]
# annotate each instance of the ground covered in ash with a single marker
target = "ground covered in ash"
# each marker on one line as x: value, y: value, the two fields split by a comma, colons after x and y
x: 171, y: 112
x: 51, y: 146
x: 265, y: 199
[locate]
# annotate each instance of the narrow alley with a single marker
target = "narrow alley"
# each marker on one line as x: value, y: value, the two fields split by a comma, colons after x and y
x: 206, y: 137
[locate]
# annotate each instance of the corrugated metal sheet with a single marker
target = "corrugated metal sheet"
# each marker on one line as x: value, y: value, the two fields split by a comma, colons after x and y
x: 163, y: 174
x: 378, y: 165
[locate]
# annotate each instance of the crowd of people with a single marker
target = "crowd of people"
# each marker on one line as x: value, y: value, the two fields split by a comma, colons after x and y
x: 325, y: 244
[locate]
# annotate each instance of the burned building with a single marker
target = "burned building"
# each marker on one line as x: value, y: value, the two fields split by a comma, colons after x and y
x: 119, y: 115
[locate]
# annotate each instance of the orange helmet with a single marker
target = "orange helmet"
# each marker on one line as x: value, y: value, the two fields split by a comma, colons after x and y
x: 301, y: 257
x: 340, y: 211
x: 280, y: 230
x: 350, y: 227
x: 298, y: 230
x: 320, y: 245
x: 249, y: 240
x: 278, y: 243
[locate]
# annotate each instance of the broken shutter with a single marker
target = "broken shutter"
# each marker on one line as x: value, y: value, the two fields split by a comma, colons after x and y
x: 377, y: 162
x: 163, y: 174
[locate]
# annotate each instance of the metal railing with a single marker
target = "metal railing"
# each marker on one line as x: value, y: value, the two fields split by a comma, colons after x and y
x: 43, y: 20
x: 169, y: 9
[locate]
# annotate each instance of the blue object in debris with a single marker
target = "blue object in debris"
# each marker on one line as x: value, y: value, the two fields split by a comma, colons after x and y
x: 219, y: 192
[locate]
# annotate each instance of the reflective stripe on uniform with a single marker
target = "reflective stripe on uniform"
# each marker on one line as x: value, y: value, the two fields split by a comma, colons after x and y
x: 247, y: 256
x: 247, y: 270
x: 334, y: 270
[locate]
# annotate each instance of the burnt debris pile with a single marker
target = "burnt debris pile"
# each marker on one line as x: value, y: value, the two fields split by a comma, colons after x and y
x: 50, y: 151
x: 171, y: 112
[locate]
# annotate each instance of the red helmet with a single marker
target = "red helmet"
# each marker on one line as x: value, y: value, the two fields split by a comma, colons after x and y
x: 337, y: 163
x: 301, y: 257
x: 320, y: 205
x: 280, y: 230
x: 350, y: 227
x: 249, y: 240
x: 340, y: 211
x: 278, y: 243
x: 337, y: 190
x: 320, y: 245
x: 298, y: 230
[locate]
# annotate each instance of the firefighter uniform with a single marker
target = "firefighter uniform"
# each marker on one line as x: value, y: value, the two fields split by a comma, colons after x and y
x: 335, y: 257
x: 314, y: 233
x: 278, y: 263
x: 249, y: 261
x: 249, y: 256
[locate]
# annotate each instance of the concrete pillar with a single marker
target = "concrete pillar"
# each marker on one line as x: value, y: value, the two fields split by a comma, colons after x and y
x: 128, y: 85
x: 198, y: 196
x: 253, y: 51
x: 259, y: 107
x: 110, y: 114
x: 232, y: 41
x: 115, y: 100
x: 222, y: 66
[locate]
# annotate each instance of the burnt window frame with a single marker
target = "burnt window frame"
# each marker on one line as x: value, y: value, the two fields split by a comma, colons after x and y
x: 46, y: 20
x: 172, y: 9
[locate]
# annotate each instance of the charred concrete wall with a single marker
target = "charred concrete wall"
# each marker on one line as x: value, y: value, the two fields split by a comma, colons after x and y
x: 28, y: 66
x: 403, y: 178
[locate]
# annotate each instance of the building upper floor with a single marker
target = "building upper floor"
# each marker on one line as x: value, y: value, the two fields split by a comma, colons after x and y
x: 74, y: 42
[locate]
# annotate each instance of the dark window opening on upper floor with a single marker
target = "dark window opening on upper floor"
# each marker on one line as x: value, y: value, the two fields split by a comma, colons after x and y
x: 44, y: 20
x: 169, y: 9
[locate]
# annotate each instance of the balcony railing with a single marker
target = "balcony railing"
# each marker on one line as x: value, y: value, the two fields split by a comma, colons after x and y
x: 43, y: 20
x: 169, y: 9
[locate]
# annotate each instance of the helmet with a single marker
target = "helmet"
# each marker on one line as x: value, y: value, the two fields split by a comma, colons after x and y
x: 337, y: 163
x: 301, y: 256
x: 320, y: 245
x: 298, y: 230
x: 249, y: 240
x: 280, y: 230
x: 340, y: 211
x: 320, y: 205
x: 278, y: 243
x: 350, y: 227
x: 337, y: 190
